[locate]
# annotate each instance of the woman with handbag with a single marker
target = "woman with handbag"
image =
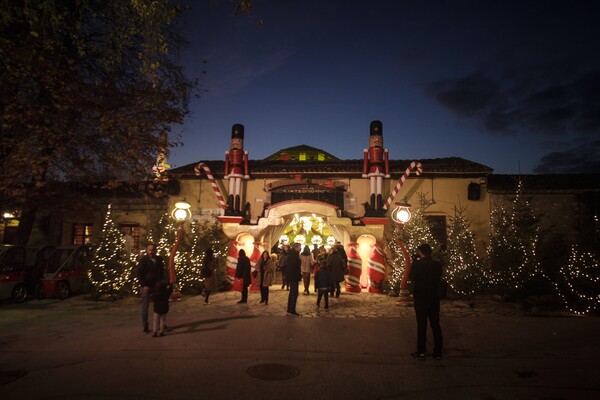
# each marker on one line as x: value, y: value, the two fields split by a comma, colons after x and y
x: 264, y: 277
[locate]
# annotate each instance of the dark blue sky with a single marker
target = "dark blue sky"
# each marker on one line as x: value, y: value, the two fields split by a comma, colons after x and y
x: 514, y: 85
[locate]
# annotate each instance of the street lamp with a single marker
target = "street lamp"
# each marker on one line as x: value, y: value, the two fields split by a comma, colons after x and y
x: 401, y: 215
x: 180, y: 213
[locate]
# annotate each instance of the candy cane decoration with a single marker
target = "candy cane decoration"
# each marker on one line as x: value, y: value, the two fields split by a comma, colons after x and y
x: 412, y: 165
x: 354, y: 269
x: 213, y: 182
x: 376, y: 269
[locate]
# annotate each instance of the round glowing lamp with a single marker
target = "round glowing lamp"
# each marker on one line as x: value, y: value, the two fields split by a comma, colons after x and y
x: 401, y: 214
x: 181, y: 212
x: 300, y: 239
x: 317, y: 240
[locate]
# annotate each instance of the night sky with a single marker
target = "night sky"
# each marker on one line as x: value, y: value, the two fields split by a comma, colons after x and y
x: 513, y: 85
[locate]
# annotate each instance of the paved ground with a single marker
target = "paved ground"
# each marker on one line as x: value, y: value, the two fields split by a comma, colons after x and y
x: 80, y: 349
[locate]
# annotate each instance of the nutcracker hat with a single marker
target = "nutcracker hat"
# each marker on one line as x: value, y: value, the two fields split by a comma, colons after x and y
x: 237, y: 131
x: 376, y: 128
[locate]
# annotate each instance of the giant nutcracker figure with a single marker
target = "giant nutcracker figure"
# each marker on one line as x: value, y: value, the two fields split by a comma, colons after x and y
x: 236, y: 168
x: 376, y: 166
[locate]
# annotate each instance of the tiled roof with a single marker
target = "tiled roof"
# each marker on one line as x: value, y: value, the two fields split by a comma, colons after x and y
x: 552, y: 183
x: 454, y: 166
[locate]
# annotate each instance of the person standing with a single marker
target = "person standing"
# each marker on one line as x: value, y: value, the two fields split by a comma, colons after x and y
x: 293, y: 277
x: 150, y: 270
x: 160, y: 297
x: 242, y: 271
x: 264, y: 278
x: 425, y: 273
x: 306, y: 262
x: 209, y: 272
x: 324, y: 283
x: 335, y: 264
x: 283, y: 264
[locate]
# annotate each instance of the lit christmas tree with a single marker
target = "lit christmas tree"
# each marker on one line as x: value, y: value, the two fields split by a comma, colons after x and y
x: 512, y: 248
x: 111, y: 269
x: 464, y: 273
x: 413, y: 233
x: 190, y: 254
x: 578, y: 283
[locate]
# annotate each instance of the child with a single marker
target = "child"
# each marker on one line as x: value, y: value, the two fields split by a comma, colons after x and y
x: 324, y: 283
x: 160, y: 296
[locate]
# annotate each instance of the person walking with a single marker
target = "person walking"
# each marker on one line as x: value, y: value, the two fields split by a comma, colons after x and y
x: 335, y: 264
x: 306, y: 263
x: 282, y: 265
x: 150, y: 270
x: 209, y: 272
x: 242, y: 271
x: 264, y: 278
x: 324, y: 283
x: 293, y: 277
x: 160, y: 297
x: 425, y: 273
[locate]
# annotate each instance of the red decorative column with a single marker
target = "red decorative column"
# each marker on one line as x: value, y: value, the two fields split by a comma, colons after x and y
x: 376, y: 269
x: 232, y: 260
x: 354, y: 269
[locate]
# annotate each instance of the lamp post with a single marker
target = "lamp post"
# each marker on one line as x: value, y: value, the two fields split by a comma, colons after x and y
x: 401, y: 215
x: 180, y: 213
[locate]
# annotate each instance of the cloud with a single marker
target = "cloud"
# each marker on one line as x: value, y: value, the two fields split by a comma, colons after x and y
x: 549, y: 100
x: 581, y: 158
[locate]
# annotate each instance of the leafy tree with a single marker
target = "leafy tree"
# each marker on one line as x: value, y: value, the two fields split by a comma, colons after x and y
x: 89, y: 91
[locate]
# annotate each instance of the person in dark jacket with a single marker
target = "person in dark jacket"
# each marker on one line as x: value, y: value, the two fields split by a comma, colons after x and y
x: 425, y: 274
x: 242, y: 271
x: 209, y: 272
x: 285, y: 250
x: 323, y: 283
x: 150, y: 270
x: 335, y: 264
x: 160, y: 296
x: 293, y: 277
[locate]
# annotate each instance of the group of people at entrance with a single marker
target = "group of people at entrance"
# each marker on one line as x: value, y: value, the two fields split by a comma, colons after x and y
x: 296, y: 266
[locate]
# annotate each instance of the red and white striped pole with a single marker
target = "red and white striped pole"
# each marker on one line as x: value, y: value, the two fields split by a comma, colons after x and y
x: 197, y: 170
x: 376, y: 269
x: 232, y: 260
x: 419, y: 171
x: 354, y: 269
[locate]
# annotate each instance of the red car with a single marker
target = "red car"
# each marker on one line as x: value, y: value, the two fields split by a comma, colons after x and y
x: 12, y: 273
x: 65, y: 272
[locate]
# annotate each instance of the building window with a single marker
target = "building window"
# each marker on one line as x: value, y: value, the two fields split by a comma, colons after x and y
x: 437, y: 223
x: 82, y: 233
x: 302, y: 156
x: 131, y: 234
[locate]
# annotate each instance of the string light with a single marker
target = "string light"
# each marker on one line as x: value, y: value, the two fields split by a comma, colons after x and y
x: 111, y: 268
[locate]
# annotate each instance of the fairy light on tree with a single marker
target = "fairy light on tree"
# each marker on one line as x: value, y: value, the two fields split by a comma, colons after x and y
x: 414, y: 233
x: 111, y: 267
x: 463, y: 270
x: 512, y: 248
x: 578, y: 283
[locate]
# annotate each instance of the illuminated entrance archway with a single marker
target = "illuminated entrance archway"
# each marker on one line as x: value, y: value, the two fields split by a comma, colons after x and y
x: 308, y: 222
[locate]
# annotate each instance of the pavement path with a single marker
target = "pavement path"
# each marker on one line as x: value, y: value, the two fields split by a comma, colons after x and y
x: 359, y: 349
